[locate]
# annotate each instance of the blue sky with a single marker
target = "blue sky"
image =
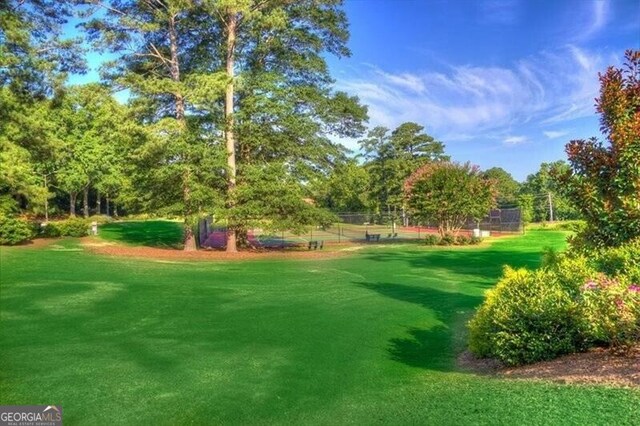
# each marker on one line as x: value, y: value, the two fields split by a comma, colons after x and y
x: 502, y: 83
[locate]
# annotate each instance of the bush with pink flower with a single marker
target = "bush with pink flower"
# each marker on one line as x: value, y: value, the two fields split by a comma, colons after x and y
x: 611, y: 311
x: 575, y: 301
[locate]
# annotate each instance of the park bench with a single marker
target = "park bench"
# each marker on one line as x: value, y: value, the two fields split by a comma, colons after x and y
x: 316, y: 244
x: 372, y: 237
x: 392, y: 235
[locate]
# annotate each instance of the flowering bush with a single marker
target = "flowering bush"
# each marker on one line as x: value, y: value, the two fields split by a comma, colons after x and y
x: 567, y: 305
x: 611, y: 311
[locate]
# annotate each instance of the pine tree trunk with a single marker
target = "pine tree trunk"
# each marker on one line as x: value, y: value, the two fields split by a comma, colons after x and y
x: 229, y: 130
x: 98, y: 203
x: 107, y: 206
x: 72, y: 203
x: 189, y: 237
x: 85, y: 202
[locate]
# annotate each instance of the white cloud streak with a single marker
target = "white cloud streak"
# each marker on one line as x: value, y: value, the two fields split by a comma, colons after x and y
x: 555, y: 134
x: 466, y: 101
x: 515, y: 140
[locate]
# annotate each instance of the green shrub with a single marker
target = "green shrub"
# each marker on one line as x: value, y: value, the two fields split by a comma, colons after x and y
x: 14, y: 231
x: 447, y: 240
x: 571, y: 270
x: 431, y: 239
x: 49, y: 230
x: 74, y: 227
x: 527, y: 317
x: 622, y: 260
x: 463, y: 240
x: 475, y: 240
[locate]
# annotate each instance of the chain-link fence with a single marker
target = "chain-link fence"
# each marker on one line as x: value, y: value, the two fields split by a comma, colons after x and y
x: 360, y: 227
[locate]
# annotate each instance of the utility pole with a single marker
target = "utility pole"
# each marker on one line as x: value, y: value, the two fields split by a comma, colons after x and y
x: 550, y: 207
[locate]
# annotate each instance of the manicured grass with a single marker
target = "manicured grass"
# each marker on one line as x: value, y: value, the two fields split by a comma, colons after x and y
x: 365, y: 339
x: 152, y: 233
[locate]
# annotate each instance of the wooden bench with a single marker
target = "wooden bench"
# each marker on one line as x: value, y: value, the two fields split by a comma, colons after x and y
x: 372, y: 237
x: 316, y: 244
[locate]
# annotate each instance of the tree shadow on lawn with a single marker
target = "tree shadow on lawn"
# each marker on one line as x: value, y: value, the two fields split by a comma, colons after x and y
x: 434, y: 348
x: 486, y: 263
x: 151, y: 233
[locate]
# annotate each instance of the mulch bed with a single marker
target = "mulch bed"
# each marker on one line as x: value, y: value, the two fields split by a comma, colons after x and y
x: 110, y: 249
x: 598, y: 366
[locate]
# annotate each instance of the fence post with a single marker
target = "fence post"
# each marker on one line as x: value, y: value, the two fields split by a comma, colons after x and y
x: 339, y: 232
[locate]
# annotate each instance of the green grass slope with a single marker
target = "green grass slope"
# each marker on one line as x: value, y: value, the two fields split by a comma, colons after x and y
x: 365, y: 339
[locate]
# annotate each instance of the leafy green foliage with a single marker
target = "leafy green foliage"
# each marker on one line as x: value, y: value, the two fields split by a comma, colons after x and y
x: 33, y: 53
x: 391, y: 158
x: 14, y: 231
x: 346, y: 189
x: 534, y: 194
x: 604, y: 180
x: 527, y: 317
x: 448, y: 194
x: 593, y: 298
x: 431, y: 239
x: 73, y: 227
x: 447, y: 240
x: 506, y: 186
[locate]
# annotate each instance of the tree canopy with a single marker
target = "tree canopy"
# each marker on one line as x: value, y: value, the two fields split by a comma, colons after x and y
x: 449, y: 194
x: 604, y: 178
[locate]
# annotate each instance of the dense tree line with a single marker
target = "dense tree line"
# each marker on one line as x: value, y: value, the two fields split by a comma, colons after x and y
x: 230, y: 111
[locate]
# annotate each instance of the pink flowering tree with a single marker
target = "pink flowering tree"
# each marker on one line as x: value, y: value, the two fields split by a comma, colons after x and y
x: 448, y: 194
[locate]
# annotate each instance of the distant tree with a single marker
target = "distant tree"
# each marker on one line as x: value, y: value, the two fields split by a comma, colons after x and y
x: 34, y: 60
x: 166, y: 52
x: 604, y: 179
x: 449, y: 194
x: 26, y: 146
x: 34, y: 55
x: 89, y: 125
x: 391, y: 158
x: 346, y: 189
x: 544, y: 185
x: 506, y: 186
x: 526, y: 203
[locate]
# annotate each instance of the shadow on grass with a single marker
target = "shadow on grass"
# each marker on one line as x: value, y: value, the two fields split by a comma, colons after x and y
x: 433, y: 348
x: 151, y: 233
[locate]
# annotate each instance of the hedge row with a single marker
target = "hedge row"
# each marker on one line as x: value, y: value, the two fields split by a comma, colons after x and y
x: 451, y: 240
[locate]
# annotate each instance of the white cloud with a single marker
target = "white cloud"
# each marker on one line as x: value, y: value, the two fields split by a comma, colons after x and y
x: 592, y: 19
x: 404, y: 80
x: 554, y: 134
x: 468, y: 101
x: 515, y: 140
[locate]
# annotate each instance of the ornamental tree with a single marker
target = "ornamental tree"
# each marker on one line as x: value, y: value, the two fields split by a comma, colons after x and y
x: 604, y: 180
x: 449, y: 194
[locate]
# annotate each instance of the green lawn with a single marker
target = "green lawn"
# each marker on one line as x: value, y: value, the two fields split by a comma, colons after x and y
x: 365, y: 339
x: 152, y: 233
